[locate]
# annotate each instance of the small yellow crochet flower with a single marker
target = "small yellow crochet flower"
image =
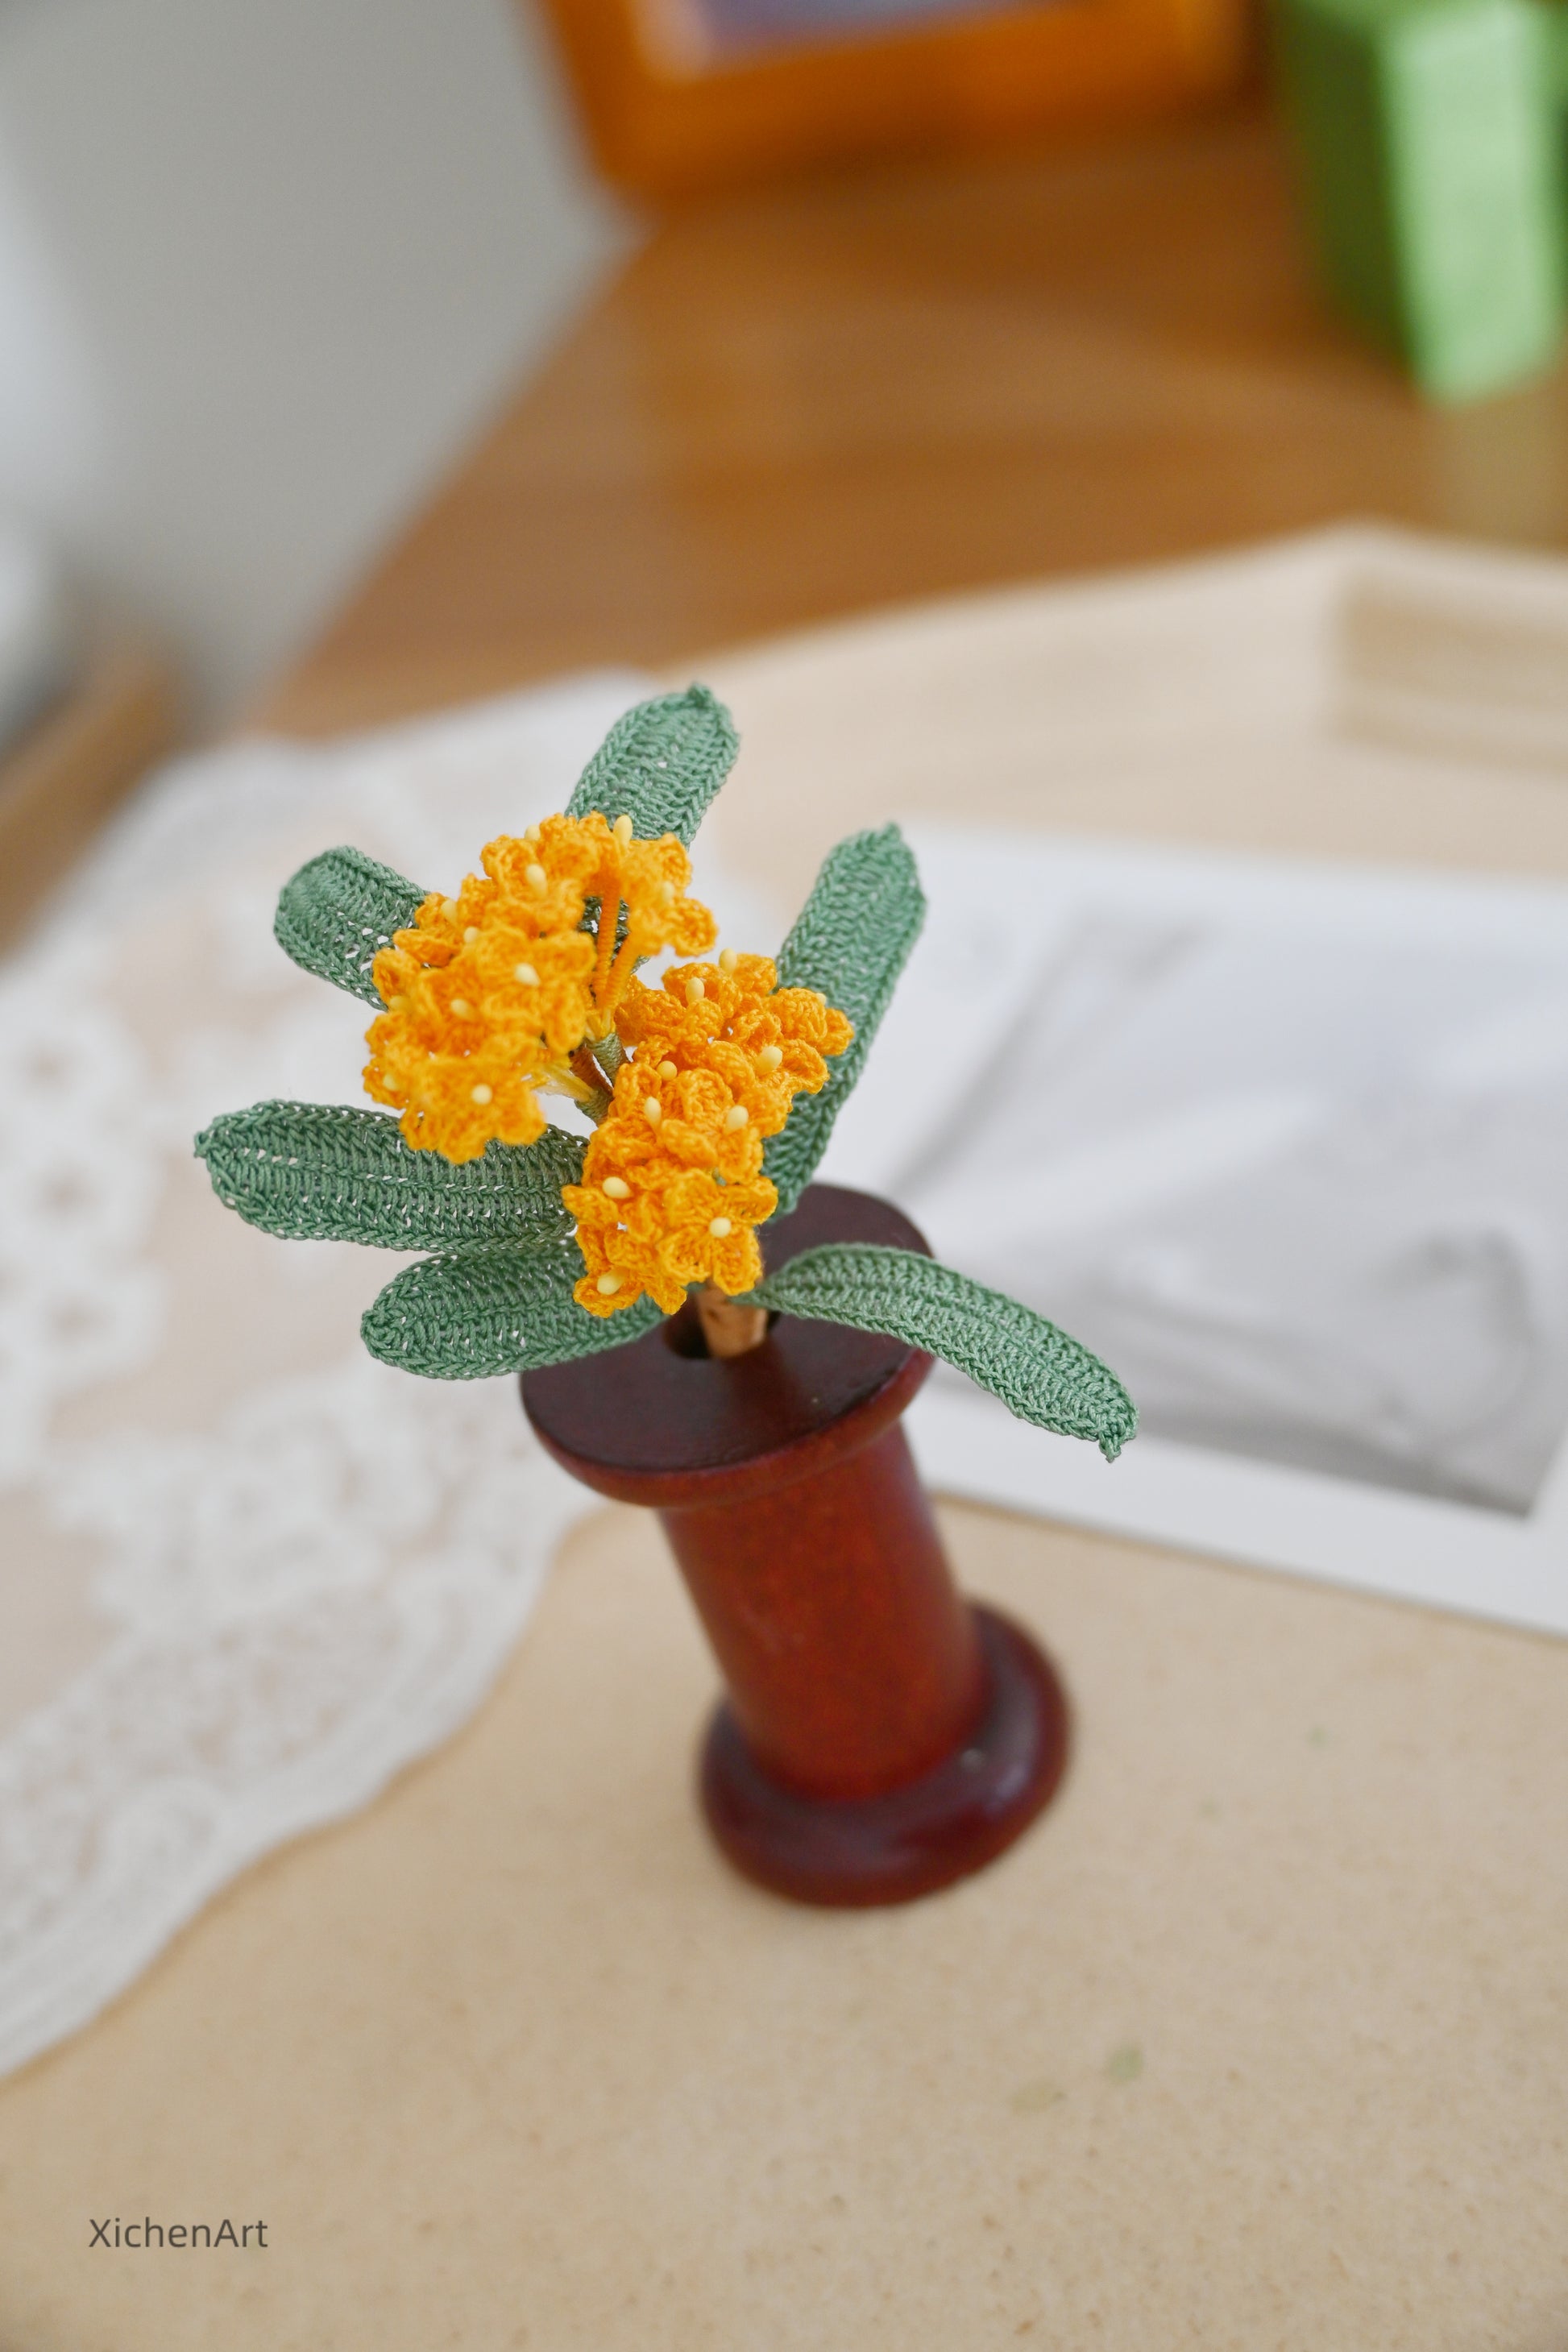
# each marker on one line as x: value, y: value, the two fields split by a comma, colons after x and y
x: 489, y: 995
x: 501, y: 992
x: 732, y: 1017
x: 710, y: 1233
x: 635, y: 1220
x: 672, y: 1188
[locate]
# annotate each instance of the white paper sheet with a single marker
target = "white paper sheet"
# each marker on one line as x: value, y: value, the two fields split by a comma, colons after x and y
x: 1288, y: 1145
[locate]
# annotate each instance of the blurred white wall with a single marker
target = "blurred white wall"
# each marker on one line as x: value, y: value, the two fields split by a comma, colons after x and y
x: 263, y: 264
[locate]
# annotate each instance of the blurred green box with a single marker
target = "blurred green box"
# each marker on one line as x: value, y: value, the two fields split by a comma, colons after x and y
x: 1430, y: 140
x: 1555, y: 17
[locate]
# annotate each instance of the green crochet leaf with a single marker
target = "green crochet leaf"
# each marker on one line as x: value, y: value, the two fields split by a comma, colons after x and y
x: 484, y: 1311
x: 1038, y: 1372
x: 315, y: 1172
x: 338, y: 910
x: 662, y: 765
x: 852, y: 939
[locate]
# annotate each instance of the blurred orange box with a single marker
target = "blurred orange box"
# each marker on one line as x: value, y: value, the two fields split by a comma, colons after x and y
x: 683, y: 94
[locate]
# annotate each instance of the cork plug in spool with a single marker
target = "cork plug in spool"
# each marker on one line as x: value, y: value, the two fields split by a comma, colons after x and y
x: 880, y: 1738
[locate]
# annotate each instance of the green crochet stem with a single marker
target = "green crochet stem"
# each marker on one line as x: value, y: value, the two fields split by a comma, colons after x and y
x: 477, y: 1313
x: 312, y: 1172
x: 1038, y: 1372
x: 851, y: 939
x: 662, y: 765
x: 338, y: 912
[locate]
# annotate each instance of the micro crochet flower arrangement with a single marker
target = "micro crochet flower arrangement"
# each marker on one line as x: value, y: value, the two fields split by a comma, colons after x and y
x: 711, y: 1095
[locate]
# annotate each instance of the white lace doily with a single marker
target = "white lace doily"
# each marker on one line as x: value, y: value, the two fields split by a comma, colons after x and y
x: 250, y: 1572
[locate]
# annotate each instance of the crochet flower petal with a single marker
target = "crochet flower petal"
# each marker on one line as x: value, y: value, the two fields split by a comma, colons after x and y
x: 737, y: 1261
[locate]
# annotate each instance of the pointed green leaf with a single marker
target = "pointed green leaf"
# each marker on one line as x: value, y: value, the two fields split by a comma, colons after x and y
x: 338, y: 910
x: 1038, y: 1372
x: 316, y: 1172
x: 852, y: 940
x: 485, y: 1311
x: 661, y: 764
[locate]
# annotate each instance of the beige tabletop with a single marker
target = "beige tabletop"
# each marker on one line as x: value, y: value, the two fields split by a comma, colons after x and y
x: 1258, y: 2041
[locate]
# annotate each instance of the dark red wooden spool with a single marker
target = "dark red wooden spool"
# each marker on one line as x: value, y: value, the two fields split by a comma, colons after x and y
x: 881, y: 1738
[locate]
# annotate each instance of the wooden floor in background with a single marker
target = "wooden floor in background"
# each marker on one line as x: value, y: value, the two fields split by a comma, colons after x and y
x: 893, y: 384
x: 69, y: 772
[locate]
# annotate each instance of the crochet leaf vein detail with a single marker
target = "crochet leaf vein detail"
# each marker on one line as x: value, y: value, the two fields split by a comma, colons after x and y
x: 851, y: 941
x: 338, y: 912
x: 316, y: 1171
x: 1039, y: 1373
x: 660, y: 765
x: 475, y: 1313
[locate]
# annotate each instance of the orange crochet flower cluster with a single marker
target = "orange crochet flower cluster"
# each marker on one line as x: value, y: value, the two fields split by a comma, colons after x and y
x: 672, y: 1185
x: 490, y: 994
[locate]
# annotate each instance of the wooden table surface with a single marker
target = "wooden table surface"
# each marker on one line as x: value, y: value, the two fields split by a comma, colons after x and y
x: 65, y: 776
x: 889, y: 385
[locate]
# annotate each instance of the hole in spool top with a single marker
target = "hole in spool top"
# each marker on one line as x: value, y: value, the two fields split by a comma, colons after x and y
x: 683, y: 1334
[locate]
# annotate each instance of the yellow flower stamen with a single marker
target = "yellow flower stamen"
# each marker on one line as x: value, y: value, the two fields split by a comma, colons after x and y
x: 609, y: 920
x: 620, y: 972
x: 618, y: 1187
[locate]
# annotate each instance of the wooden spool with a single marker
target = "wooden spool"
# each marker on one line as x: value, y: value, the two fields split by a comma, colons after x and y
x: 879, y: 1737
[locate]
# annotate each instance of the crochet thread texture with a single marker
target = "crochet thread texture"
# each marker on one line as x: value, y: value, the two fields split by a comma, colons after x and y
x: 320, y: 1171
x: 497, y: 1297
x: 851, y: 939
x: 477, y: 1312
x: 662, y: 765
x: 338, y: 912
x: 1039, y: 1373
